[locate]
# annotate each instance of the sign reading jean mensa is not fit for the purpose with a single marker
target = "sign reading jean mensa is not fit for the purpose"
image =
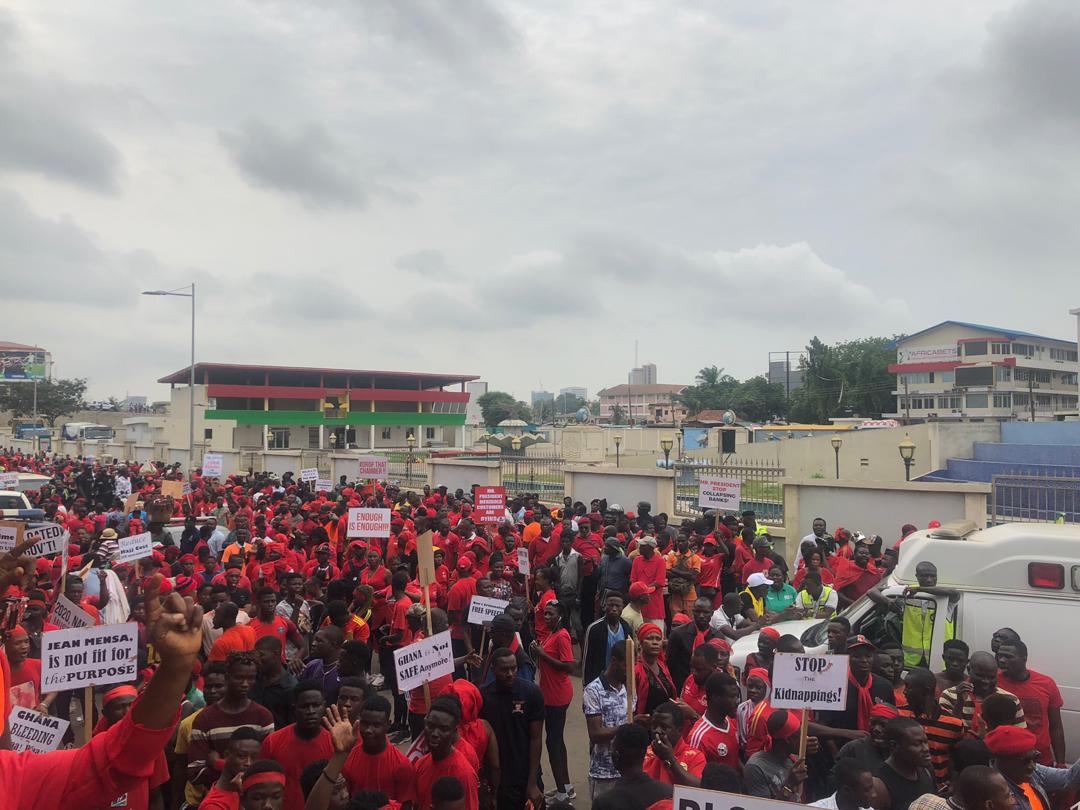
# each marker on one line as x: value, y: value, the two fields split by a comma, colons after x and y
x: 423, y: 661
x: 89, y: 655
x: 803, y: 681
x: 719, y: 493
x: 686, y: 798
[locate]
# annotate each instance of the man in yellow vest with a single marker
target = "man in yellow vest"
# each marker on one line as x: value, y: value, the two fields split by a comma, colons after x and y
x: 918, y: 612
x: 816, y: 600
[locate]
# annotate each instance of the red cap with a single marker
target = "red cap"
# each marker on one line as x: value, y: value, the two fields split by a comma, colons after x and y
x: 1010, y: 741
x: 639, y: 589
x: 771, y: 632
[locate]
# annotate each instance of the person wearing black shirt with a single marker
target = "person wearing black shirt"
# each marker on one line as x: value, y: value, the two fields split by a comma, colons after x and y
x: 633, y: 790
x: 905, y: 775
x: 685, y: 638
x: 514, y: 708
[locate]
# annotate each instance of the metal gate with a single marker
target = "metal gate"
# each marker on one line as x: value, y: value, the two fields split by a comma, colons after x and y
x: 761, y: 488
x: 534, y: 475
x: 1034, y: 499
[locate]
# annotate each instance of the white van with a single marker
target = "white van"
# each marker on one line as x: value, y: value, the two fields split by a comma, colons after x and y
x: 1020, y: 575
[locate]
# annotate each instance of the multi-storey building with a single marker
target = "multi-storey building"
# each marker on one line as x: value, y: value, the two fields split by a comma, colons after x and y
x: 641, y: 404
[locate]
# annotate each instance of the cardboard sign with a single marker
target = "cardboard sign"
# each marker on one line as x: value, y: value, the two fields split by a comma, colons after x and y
x: 130, y: 501
x: 11, y: 534
x: 213, y: 465
x: 66, y: 614
x: 89, y: 655
x: 425, y: 558
x: 9, y: 480
x: 135, y: 547
x: 309, y: 474
x: 482, y: 609
x: 687, y: 798
x: 803, y: 681
x: 373, y: 467
x: 50, y: 539
x: 324, y: 485
x: 172, y: 489
x: 523, y: 560
x: 366, y: 522
x: 33, y: 731
x: 490, y: 504
x: 424, y: 661
x: 719, y: 493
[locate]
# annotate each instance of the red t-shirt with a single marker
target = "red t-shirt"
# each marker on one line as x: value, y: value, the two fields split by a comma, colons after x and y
x: 1038, y: 695
x: 652, y: 572
x: 138, y: 797
x: 690, y: 758
x: 429, y: 771
x: 756, y: 566
x: 24, y: 689
x: 461, y: 593
x: 717, y: 743
x: 555, y: 685
x: 710, y: 571
x: 398, y: 622
x: 693, y: 695
x: 540, y: 628
x: 294, y: 754
x: 542, y: 550
x: 389, y: 771
x: 279, y: 627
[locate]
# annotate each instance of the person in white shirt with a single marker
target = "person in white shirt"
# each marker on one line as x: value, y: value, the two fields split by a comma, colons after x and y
x: 854, y: 787
x: 122, y: 485
x: 729, y: 622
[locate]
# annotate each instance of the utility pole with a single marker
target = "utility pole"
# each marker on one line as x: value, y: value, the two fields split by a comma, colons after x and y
x: 907, y: 403
x: 1031, y: 392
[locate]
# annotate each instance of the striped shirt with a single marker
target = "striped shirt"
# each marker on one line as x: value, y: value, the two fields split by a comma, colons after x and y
x: 942, y: 734
x: 211, y: 731
x: 971, y: 711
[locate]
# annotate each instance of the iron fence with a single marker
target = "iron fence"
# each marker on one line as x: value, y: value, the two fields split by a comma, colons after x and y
x: 408, y: 468
x: 539, y: 475
x: 1034, y: 499
x: 761, y: 489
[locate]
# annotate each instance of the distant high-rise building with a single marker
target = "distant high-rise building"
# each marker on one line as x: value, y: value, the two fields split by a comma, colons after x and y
x: 576, y: 391
x: 789, y: 376
x: 644, y: 375
x: 542, y: 396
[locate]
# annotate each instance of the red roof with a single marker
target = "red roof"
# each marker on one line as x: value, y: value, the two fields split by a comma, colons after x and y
x: 910, y: 368
x: 183, y: 374
x: 5, y: 346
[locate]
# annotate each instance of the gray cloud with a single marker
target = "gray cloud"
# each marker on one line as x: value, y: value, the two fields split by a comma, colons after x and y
x: 424, y: 263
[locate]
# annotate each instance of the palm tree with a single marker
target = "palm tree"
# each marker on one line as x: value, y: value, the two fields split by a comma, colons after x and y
x: 710, y: 375
x: 618, y: 415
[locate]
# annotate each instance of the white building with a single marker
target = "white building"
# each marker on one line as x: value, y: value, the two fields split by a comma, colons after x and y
x: 643, y: 375
x: 576, y: 391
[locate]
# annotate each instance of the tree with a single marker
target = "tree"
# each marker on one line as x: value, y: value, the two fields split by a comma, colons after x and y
x: 618, y: 415
x: 495, y: 406
x: 758, y: 400
x: 54, y: 398
x: 712, y: 391
x: 567, y: 404
x: 847, y: 379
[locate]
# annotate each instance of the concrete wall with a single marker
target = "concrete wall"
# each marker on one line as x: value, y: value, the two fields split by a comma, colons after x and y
x: 621, y: 486
x: 455, y: 473
x: 1041, y: 432
x: 878, y: 508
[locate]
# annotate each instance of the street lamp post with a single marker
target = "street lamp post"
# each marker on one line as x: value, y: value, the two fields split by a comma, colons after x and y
x: 191, y: 381
x: 515, y: 442
x: 618, y: 440
x: 411, y: 441
x: 836, y: 442
x: 907, y: 453
x: 679, y: 438
x: 665, y: 445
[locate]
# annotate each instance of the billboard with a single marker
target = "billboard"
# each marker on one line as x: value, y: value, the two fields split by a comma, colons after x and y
x: 23, y: 365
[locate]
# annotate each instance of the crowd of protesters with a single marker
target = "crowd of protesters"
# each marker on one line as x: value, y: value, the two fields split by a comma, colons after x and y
x: 267, y: 679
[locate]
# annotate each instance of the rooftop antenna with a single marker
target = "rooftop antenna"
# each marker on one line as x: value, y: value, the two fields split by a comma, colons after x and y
x: 635, y: 354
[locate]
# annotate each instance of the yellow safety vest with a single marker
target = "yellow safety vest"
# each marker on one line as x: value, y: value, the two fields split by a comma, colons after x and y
x: 918, y: 631
x: 758, y: 604
x: 808, y: 602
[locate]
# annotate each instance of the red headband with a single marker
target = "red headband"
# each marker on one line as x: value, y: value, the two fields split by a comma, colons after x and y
x: 771, y: 632
x: 119, y: 692
x: 260, y: 778
x: 648, y: 629
x: 721, y: 644
x: 790, y: 728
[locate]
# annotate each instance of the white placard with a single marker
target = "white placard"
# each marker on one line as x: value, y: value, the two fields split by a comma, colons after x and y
x: 523, y: 560
x: 482, y: 609
x: 50, y: 539
x: 89, y: 655
x: 803, y: 681
x: 33, y: 731
x: 309, y: 474
x: 719, y: 493
x: 9, y: 480
x: 373, y: 467
x: 686, y: 798
x: 213, y: 465
x: 423, y: 661
x: 67, y: 614
x: 364, y: 522
x: 9, y: 536
x: 324, y: 485
x: 135, y: 547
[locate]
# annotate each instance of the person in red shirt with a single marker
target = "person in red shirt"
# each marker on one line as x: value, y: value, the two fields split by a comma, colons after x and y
x: 399, y: 636
x: 24, y: 684
x: 305, y: 741
x: 375, y: 575
x: 268, y: 623
x: 114, y: 706
x: 442, y: 758
x: 650, y: 568
x: 704, y: 661
x: 457, y: 607
x: 853, y: 578
x: 1038, y: 694
x: 545, y: 594
x: 545, y: 546
x: 555, y: 657
x: 670, y: 759
x: 376, y: 764
x: 716, y: 734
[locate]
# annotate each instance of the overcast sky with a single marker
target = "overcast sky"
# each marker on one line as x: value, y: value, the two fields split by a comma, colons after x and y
x: 521, y: 190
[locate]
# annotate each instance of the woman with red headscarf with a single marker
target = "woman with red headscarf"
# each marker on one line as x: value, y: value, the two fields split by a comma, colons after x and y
x: 652, y: 680
x: 753, y: 713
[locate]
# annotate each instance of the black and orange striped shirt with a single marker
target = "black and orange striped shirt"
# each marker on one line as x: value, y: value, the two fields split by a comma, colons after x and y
x: 942, y: 734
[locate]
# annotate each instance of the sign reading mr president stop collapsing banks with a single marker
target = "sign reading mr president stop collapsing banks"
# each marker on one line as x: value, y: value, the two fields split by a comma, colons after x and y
x: 369, y: 523
x: 802, y: 681
x: 426, y: 660
x: 89, y: 655
x: 719, y: 493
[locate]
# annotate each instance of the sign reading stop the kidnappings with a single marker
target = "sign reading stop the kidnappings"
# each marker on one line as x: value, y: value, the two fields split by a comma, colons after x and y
x: 804, y: 681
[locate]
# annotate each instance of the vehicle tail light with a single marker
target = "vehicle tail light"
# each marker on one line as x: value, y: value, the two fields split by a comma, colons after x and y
x: 1046, y: 575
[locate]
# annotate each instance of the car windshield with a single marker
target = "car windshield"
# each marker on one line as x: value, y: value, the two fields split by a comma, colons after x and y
x: 876, y: 622
x: 11, y: 502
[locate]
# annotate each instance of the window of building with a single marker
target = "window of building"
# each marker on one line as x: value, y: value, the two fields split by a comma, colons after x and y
x: 208, y: 434
x: 1020, y: 400
x: 1068, y: 379
x: 917, y: 377
x: 1063, y: 354
x: 917, y: 403
x: 1042, y: 401
x: 977, y: 400
x: 313, y: 438
x: 278, y: 439
x: 947, y: 376
x: 1002, y: 373
x: 1037, y: 374
x: 386, y: 432
x: 975, y: 348
x: 999, y: 348
x: 948, y: 403
x: 1023, y: 350
x: 429, y: 433
x: 1002, y: 400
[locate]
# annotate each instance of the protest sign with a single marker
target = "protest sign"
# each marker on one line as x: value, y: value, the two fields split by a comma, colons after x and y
x: 9, y: 480
x: 172, y: 489
x: 373, y: 467
x: 11, y: 534
x: 33, y: 731
x: 309, y: 474
x: 687, y: 798
x: 490, y: 504
x: 719, y: 493
x: 67, y: 614
x: 425, y: 558
x: 48, y: 538
x: 185, y: 488
x: 482, y: 609
x: 804, y: 681
x: 324, y: 485
x: 89, y: 655
x: 365, y: 522
x: 130, y: 501
x: 135, y: 547
x: 424, y: 661
x: 523, y: 560
x: 213, y: 465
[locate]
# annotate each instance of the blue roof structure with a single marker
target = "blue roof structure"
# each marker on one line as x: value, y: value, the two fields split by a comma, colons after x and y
x: 1011, y: 334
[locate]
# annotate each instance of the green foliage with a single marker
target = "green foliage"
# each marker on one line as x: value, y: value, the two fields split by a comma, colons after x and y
x: 568, y: 404
x: 495, y: 406
x: 755, y: 399
x: 618, y: 415
x: 845, y: 379
x: 55, y: 398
